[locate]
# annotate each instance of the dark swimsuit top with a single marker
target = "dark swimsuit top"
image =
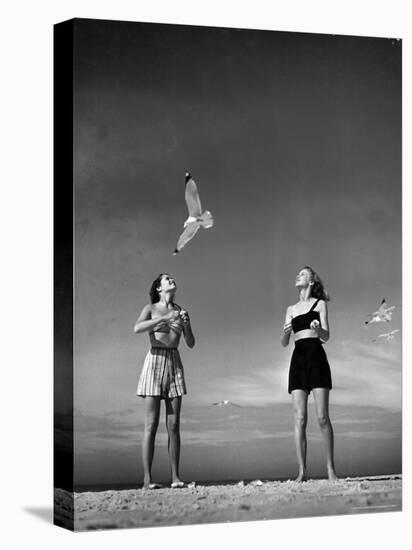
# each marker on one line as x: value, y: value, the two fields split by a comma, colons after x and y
x: 303, y: 321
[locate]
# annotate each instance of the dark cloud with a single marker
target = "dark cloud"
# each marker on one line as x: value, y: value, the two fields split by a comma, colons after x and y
x: 295, y: 141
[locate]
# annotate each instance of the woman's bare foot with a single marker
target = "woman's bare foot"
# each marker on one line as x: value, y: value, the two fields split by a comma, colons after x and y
x: 302, y: 476
x: 332, y: 475
x: 148, y: 484
x: 177, y: 483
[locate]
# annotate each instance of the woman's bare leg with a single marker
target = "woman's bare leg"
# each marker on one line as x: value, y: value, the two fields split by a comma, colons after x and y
x: 321, y: 396
x: 173, y: 407
x: 300, y: 405
x: 151, y: 422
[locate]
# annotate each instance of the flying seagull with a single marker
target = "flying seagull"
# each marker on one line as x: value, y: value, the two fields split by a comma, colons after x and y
x: 384, y: 314
x: 196, y: 218
x: 389, y: 335
x: 225, y: 403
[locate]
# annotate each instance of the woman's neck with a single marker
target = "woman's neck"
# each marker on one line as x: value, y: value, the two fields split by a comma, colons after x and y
x: 304, y: 294
x: 166, y: 299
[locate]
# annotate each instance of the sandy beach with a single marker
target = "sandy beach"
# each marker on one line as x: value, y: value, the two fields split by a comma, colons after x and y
x: 217, y: 503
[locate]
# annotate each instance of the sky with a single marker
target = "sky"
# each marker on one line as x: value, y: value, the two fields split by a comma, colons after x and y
x: 294, y: 141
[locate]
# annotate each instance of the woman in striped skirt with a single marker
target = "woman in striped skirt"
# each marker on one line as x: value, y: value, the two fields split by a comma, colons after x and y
x: 162, y: 375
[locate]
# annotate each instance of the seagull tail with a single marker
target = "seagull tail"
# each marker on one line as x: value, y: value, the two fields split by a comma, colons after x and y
x: 206, y: 219
x: 175, y: 251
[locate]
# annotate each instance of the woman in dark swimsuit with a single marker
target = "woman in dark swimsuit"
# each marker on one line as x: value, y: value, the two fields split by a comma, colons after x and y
x: 309, y: 367
x: 162, y: 375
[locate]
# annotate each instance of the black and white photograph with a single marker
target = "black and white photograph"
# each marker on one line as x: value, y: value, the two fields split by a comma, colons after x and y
x: 205, y: 307
x: 237, y: 277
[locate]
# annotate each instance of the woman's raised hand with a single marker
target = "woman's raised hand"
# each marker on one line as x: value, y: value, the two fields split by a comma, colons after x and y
x: 184, y: 316
x: 315, y: 324
x: 171, y: 316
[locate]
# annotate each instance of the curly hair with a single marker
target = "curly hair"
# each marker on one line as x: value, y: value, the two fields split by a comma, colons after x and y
x: 318, y: 288
x: 153, y: 292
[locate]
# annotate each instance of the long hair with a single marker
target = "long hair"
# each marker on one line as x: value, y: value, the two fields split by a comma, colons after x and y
x: 153, y: 292
x: 318, y: 289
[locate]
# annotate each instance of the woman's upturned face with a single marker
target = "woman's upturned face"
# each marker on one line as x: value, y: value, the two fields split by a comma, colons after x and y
x: 303, y: 278
x: 167, y: 283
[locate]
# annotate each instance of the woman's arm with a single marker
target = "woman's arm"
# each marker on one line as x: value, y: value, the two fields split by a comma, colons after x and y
x: 145, y: 322
x: 322, y: 329
x: 287, y: 328
x: 187, y: 329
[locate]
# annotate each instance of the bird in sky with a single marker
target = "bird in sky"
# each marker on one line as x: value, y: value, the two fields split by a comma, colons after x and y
x: 196, y: 218
x: 225, y: 403
x: 384, y: 314
x: 388, y: 335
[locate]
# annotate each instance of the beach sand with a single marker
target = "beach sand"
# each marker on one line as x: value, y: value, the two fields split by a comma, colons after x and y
x: 219, y: 503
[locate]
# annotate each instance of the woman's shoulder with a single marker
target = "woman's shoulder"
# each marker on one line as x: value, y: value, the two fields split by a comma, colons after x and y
x: 292, y: 308
x: 146, y: 312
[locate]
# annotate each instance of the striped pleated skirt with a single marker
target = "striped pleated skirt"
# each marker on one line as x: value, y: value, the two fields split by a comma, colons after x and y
x: 162, y: 374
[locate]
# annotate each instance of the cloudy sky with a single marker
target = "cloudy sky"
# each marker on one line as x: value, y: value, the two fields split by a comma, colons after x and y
x: 295, y: 143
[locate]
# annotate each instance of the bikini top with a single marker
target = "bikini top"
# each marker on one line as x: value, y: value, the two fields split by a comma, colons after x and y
x: 176, y: 325
x: 303, y: 321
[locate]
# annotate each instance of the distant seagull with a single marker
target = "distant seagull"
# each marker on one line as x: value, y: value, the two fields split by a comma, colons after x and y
x: 389, y: 335
x: 196, y: 218
x: 384, y: 314
x: 225, y: 403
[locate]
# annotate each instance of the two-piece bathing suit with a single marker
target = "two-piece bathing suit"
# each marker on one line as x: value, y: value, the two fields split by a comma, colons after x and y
x: 162, y: 373
x: 163, y: 376
x: 309, y: 367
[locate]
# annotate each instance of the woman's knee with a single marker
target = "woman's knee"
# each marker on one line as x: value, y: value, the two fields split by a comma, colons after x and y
x: 301, y: 419
x: 173, y: 424
x: 323, y: 420
x: 151, y: 425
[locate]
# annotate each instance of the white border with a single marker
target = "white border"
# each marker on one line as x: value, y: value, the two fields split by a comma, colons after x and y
x: 26, y: 238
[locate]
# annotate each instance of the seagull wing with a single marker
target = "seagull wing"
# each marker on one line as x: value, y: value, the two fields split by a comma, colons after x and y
x: 382, y: 307
x: 194, y: 205
x: 186, y: 236
x: 389, y: 309
x: 394, y: 331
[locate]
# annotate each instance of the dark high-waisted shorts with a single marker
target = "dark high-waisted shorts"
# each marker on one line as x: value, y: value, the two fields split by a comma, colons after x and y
x: 309, y: 367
